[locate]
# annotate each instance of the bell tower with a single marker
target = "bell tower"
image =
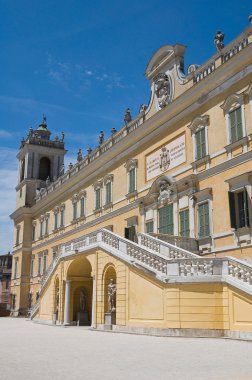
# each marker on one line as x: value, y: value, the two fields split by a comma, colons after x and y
x: 40, y: 162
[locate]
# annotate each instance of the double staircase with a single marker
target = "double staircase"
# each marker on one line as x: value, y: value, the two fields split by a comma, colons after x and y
x: 167, y: 262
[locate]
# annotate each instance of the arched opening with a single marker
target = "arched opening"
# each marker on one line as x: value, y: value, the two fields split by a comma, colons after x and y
x: 22, y: 170
x: 109, y: 293
x: 78, y: 301
x: 44, y: 168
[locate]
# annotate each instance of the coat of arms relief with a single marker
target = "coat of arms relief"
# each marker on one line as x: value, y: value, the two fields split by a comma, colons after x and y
x: 162, y: 87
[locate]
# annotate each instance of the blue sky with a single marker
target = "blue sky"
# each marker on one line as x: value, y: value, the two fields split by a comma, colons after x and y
x: 82, y: 63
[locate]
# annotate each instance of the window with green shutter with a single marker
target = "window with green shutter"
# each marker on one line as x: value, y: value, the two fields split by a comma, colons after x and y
x: 82, y: 206
x: 149, y: 226
x: 41, y: 228
x: 62, y: 217
x: 184, y: 223
x: 108, y: 193
x: 74, y: 210
x: 56, y: 220
x: 132, y: 180
x: 235, y: 118
x: 200, y: 141
x: 46, y: 226
x: 204, y: 227
x: 97, y: 199
x: 33, y: 233
x: 166, y: 220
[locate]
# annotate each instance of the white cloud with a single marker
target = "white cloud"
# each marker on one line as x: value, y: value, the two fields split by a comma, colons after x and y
x: 5, y: 134
x: 8, y: 181
x: 78, y: 78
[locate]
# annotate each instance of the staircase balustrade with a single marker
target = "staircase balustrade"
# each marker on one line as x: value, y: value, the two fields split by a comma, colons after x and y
x: 165, y: 260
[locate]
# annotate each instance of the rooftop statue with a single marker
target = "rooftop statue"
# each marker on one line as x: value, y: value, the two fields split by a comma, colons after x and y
x: 79, y: 155
x: 127, y: 116
x: 101, y: 138
x: 218, y: 40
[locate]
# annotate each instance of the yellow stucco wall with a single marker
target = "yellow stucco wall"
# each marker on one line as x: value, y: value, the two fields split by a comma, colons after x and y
x: 143, y: 301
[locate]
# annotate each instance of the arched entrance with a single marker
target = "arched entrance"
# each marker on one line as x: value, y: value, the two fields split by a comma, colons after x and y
x: 78, y: 293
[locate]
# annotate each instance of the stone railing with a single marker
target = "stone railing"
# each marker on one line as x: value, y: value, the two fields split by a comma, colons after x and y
x: 236, y: 47
x: 167, y: 262
x: 101, y: 149
x: 229, y: 51
x: 239, y: 270
x: 187, y: 243
x: 166, y: 248
x: 203, y: 71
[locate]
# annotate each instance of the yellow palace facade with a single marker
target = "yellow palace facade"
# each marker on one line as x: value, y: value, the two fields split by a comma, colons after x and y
x: 152, y: 230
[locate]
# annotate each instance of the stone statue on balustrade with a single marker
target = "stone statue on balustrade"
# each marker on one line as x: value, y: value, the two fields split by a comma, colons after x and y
x: 112, y: 295
x: 127, y: 116
x: 79, y: 155
x: 218, y: 40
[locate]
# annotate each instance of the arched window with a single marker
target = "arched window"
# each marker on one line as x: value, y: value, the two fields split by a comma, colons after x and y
x: 44, y: 168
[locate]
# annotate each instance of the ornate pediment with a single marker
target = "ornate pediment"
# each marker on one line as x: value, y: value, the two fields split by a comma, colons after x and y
x: 198, y: 122
x: 232, y: 101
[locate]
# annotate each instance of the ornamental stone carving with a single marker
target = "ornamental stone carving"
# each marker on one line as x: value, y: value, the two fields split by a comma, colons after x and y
x: 162, y: 88
x: 165, y: 159
x: 164, y: 191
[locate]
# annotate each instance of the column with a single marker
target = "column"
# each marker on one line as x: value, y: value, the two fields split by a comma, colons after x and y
x: 67, y: 303
x: 94, y: 304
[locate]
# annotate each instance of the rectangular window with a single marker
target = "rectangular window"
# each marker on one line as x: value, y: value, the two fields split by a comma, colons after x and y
x: 200, y: 140
x: 239, y: 209
x: 32, y: 267
x: 45, y: 264
x: 184, y: 223
x: 56, y: 220
x: 17, y: 235
x: 82, y: 206
x: 236, y: 132
x: 46, y: 226
x: 33, y: 233
x: 62, y: 217
x: 204, y: 227
x: 15, y: 268
x: 39, y: 265
x: 132, y: 180
x: 97, y: 199
x: 166, y: 220
x: 108, y: 193
x: 149, y: 226
x: 41, y: 229
x: 74, y: 210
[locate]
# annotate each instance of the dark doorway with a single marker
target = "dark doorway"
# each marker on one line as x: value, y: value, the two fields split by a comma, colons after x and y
x: 130, y: 233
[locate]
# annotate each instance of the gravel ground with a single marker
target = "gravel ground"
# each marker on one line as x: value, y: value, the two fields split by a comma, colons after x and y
x: 40, y: 352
